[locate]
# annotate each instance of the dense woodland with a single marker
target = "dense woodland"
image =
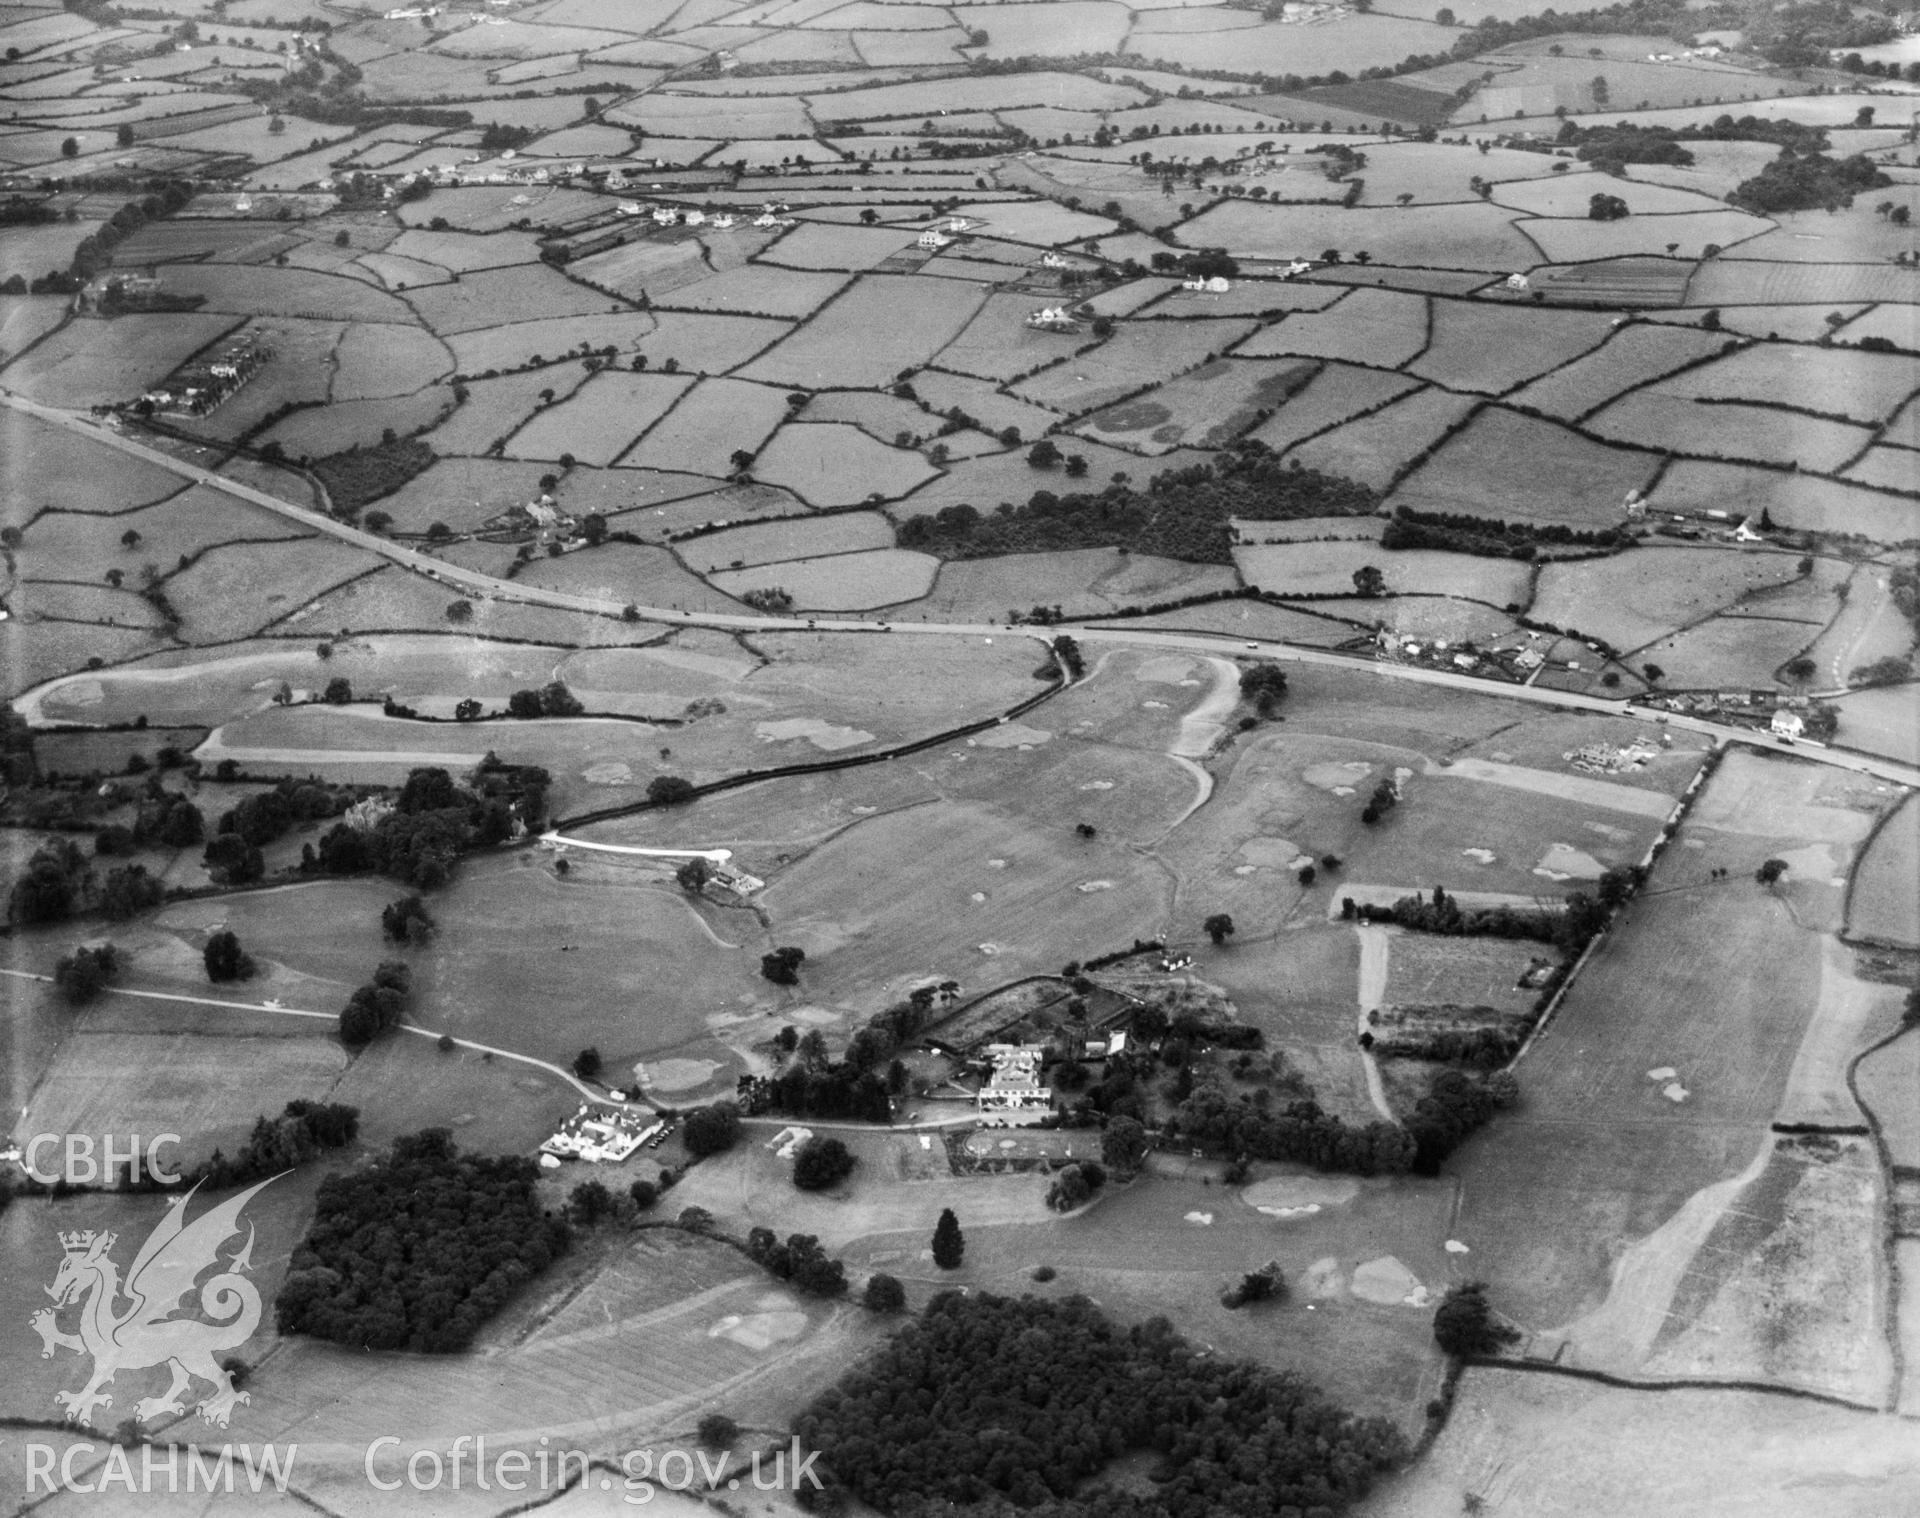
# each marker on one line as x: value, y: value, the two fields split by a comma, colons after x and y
x: 986, y: 1398
x: 1182, y: 514
x: 419, y: 1250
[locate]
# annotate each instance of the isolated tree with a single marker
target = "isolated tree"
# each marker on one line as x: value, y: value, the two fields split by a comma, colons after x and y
x: 711, y: 1130
x: 694, y: 875
x: 1369, y: 581
x: 1218, y: 927
x: 949, y: 1244
x: 718, y: 1431
x: 460, y: 611
x: 1044, y: 454
x: 587, y: 1064
x: 226, y: 960
x: 123, y: 134
x: 1265, y: 685
x: 589, y: 1202
x: 86, y: 972
x: 70, y: 148
x: 884, y: 1293
x: 339, y: 691
x: 782, y: 966
x: 1464, y: 1323
x: 820, y: 1163
x: 742, y: 460
x: 669, y: 790
x: 644, y: 1194
x: 1266, y: 1284
x: 1123, y: 1146
x: 1770, y: 870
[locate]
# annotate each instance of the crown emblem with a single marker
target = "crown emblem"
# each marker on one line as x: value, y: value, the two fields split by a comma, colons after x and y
x: 81, y: 1243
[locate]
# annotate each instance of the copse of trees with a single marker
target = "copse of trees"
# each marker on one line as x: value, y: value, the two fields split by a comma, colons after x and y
x: 1464, y: 1324
x: 1298, y: 1131
x: 378, y: 1006
x: 1265, y: 686
x: 434, y: 820
x: 1807, y: 182
x: 417, y: 1251
x: 993, y: 1402
x: 782, y: 966
x: 407, y: 921
x: 1182, y: 514
x: 821, y: 1162
x: 226, y: 960
x: 86, y: 972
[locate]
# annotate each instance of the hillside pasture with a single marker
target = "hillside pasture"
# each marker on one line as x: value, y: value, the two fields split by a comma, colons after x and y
x: 182, y: 1083
x: 1491, y: 349
x: 1656, y: 417
x: 1633, y: 598
x: 1865, y: 387
x: 1472, y: 236
x: 185, y: 524
x: 1714, y: 982
x: 818, y: 245
x: 772, y: 542
x: 1138, y: 355
x: 376, y: 361
x: 1207, y: 407
x: 997, y: 345
x: 1883, y: 900
x: 488, y: 297
x: 1638, y: 353
x: 1688, y: 235
x: 835, y: 464
x: 1335, y: 395
x: 600, y: 420
x: 625, y: 572
x: 1376, y: 447
x: 1730, y: 651
x: 700, y: 433
x: 232, y: 592
x: 515, y: 344
x: 859, y: 581
x: 1380, y: 328
x: 1509, y: 466
x: 496, y: 408
x: 644, y: 267
x: 88, y: 362
x: 316, y: 431
x: 883, y: 324
x: 1090, y: 582
x: 1328, y: 568
x: 1793, y: 500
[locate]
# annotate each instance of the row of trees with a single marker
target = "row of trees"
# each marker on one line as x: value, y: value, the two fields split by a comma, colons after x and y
x: 377, y: 1006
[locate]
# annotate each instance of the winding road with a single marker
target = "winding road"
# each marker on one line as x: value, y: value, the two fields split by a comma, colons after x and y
x: 474, y: 583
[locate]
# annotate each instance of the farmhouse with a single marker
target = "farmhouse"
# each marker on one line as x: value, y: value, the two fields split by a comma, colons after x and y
x: 1052, y: 319
x: 934, y: 239
x: 1213, y: 286
x: 1788, y: 725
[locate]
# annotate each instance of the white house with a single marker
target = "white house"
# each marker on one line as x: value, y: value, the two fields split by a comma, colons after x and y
x: 1052, y: 260
x: 933, y: 239
x: 1054, y: 318
x: 723, y: 221
x: 1298, y: 267
x: 628, y: 208
x: 696, y: 218
x: 1519, y: 282
x: 1214, y: 286
x: 1788, y: 725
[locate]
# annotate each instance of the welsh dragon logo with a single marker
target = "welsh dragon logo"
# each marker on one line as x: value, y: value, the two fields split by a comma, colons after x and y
x: 145, y: 1332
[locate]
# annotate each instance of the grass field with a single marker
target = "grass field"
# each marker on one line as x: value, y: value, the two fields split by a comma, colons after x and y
x: 1492, y: 349
x: 1382, y: 328
x: 1884, y: 903
x: 858, y: 581
x: 1510, y: 466
x: 1716, y: 982
x: 1633, y: 598
x: 1636, y: 354
x: 882, y: 324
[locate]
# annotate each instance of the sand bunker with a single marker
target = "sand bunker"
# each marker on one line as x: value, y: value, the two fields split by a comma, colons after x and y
x: 1324, y: 1278
x: 1012, y: 735
x: 822, y: 735
x: 1300, y: 1195
x: 1274, y: 853
x: 675, y: 1074
x: 1155, y: 706
x: 611, y: 772
x: 1562, y: 862
x: 1479, y: 856
x: 1202, y: 1219
x: 1389, y: 1283
x: 1087, y: 886
x: 1454, y: 1246
x: 1332, y: 777
x: 1673, y: 1091
x: 978, y: 896
x: 760, y: 1330
x: 1664, y: 1073
x: 1096, y: 785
